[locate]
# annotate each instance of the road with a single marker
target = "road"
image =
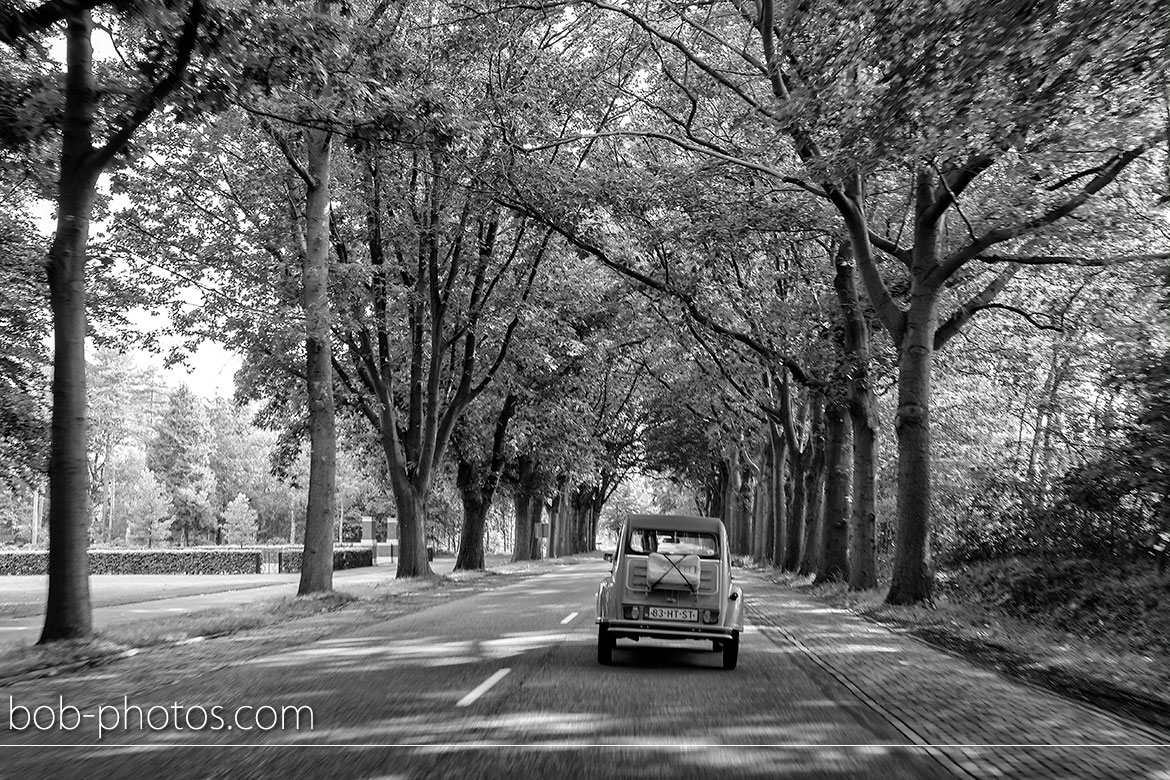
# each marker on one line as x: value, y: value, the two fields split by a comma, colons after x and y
x: 502, y: 683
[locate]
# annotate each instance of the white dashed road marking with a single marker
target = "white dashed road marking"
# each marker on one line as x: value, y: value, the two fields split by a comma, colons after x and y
x: 572, y: 616
x: 483, y: 688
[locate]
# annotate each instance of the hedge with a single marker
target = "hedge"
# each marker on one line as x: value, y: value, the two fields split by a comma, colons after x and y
x: 344, y: 558
x: 24, y: 562
x: 204, y: 560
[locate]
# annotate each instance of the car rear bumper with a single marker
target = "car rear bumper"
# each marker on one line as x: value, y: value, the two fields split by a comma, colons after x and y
x: 636, y: 629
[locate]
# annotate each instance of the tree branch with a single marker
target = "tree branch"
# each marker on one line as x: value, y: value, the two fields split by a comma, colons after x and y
x: 150, y: 101
x: 16, y: 25
x: 1110, y: 171
x: 293, y: 161
x: 979, y: 301
x: 953, y: 183
x: 1087, y: 262
x: 688, y: 302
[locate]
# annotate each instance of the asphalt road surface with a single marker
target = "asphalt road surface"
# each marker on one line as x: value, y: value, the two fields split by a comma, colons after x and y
x: 502, y: 683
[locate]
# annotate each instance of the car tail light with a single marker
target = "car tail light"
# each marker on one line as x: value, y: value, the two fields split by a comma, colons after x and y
x: 632, y: 612
x: 710, y: 616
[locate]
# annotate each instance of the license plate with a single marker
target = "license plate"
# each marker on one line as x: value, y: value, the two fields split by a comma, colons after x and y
x: 666, y: 613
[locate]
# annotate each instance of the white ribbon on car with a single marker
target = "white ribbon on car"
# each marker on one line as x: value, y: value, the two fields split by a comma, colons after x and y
x: 673, y: 571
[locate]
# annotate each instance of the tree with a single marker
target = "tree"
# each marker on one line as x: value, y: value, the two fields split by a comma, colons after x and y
x: 477, y: 479
x: 120, y: 395
x: 24, y: 363
x: 143, y: 501
x: 317, y: 570
x: 163, y: 70
x: 868, y: 93
x: 240, y: 522
x: 180, y: 455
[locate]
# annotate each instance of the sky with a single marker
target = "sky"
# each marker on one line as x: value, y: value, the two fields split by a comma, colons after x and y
x: 211, y: 372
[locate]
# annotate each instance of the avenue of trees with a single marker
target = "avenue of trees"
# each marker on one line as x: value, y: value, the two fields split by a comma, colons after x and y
x: 881, y: 283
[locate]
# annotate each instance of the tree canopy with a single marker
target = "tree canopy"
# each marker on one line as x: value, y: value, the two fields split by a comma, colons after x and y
x: 862, y: 278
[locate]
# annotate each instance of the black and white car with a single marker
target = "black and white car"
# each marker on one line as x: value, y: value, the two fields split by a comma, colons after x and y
x: 671, y: 579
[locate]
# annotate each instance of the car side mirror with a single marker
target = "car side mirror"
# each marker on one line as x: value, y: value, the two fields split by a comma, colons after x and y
x: 609, y: 557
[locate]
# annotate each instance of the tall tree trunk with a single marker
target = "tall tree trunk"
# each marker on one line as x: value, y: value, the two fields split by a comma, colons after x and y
x: 814, y: 489
x: 475, y: 508
x: 799, y: 460
x: 67, y: 610
x: 863, y: 529
x: 595, y: 507
x: 912, y: 578
x: 535, y: 527
x: 317, y: 563
x: 717, y: 491
x: 522, y: 545
x: 764, y: 514
x: 523, y: 498
x: 559, y: 523
x: 863, y: 416
x: 832, y: 560
x: 583, y: 500
x: 777, y: 497
x: 478, y: 490
x: 731, y: 504
x: 412, y: 539
x: 744, y: 510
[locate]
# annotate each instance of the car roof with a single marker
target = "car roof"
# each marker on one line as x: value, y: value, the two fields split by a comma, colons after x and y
x: 677, y: 523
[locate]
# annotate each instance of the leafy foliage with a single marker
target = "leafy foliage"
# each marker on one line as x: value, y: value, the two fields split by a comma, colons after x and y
x: 240, y: 522
x: 180, y: 455
x: 1076, y: 595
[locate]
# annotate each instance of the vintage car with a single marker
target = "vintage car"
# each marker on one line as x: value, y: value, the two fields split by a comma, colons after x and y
x: 671, y: 579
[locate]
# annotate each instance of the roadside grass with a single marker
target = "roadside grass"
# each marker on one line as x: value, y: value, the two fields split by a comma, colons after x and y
x: 128, y: 638
x: 24, y: 596
x: 1118, y: 665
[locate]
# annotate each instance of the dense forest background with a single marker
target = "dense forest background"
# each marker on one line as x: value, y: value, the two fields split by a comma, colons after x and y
x: 882, y: 284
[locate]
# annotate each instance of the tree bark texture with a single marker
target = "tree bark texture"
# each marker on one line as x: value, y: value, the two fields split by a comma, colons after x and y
x: 528, y: 505
x: 317, y: 563
x: 912, y: 579
x: 731, y: 503
x: 745, y: 511
x: 764, y: 512
x: 814, y: 490
x: 67, y: 610
x: 412, y: 511
x: 799, y: 458
x: 779, y: 501
x: 478, y: 488
x: 857, y: 350
x: 832, y: 560
x: 863, y: 528
x: 475, y: 509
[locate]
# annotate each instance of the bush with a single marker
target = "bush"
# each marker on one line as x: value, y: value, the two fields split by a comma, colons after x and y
x: 1080, y: 596
x: 18, y: 563
x: 344, y: 558
x: 204, y: 560
x: 986, y: 541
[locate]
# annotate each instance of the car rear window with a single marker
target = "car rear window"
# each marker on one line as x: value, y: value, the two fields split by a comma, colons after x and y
x: 648, y: 540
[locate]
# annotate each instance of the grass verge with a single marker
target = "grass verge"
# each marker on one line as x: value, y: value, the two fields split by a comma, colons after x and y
x: 289, y: 618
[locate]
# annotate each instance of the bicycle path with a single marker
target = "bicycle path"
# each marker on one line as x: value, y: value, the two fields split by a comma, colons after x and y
x: 978, y: 723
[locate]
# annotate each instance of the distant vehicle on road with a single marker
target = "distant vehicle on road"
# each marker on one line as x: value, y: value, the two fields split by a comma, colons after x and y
x: 671, y: 579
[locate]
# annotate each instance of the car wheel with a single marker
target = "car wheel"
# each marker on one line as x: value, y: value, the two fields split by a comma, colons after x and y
x: 605, y: 644
x: 731, y: 652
